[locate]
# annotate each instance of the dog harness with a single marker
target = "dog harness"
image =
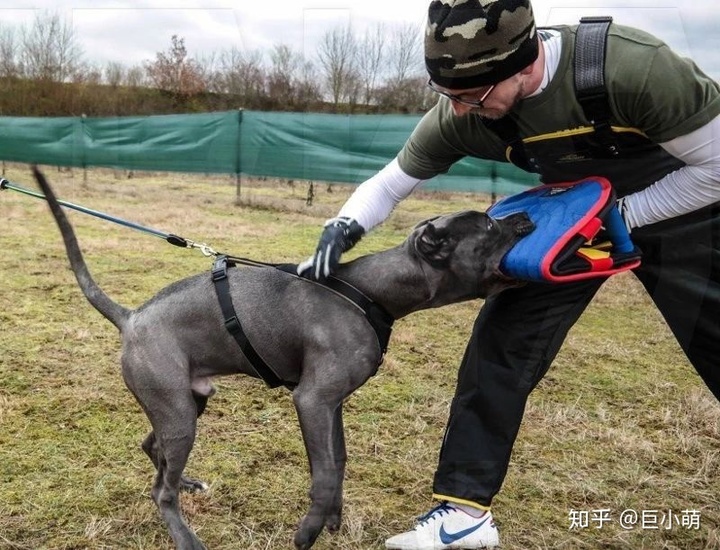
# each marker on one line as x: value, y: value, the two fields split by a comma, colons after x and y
x: 380, y: 320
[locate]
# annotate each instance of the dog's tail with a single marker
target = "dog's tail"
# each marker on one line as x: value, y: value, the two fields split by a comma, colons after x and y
x: 113, y: 311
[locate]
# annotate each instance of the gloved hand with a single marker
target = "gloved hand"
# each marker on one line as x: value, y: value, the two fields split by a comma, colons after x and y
x: 622, y: 208
x: 615, y: 232
x: 339, y: 235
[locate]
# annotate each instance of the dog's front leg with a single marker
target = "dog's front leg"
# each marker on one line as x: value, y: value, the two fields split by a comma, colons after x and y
x: 320, y: 414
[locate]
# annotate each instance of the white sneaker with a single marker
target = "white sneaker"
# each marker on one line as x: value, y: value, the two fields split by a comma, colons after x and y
x: 448, y: 526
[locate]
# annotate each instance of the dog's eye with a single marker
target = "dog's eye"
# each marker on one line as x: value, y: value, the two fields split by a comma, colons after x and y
x: 489, y: 223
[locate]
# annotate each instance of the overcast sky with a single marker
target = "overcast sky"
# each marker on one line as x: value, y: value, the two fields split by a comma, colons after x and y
x: 132, y: 32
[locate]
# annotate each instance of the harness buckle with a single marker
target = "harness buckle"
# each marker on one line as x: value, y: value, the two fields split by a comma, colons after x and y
x: 232, y: 325
x: 219, y: 269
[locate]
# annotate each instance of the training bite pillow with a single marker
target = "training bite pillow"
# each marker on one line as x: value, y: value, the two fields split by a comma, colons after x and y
x: 578, y: 234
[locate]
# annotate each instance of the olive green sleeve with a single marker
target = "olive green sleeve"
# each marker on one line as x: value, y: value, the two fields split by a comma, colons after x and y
x: 427, y: 153
x: 441, y: 139
x: 657, y: 91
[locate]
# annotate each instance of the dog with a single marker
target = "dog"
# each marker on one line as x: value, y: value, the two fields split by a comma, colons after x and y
x: 316, y: 340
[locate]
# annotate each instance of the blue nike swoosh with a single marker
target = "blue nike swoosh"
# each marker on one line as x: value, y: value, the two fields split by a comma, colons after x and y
x: 447, y: 538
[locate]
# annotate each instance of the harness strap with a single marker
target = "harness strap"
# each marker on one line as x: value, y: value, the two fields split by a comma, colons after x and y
x: 589, y: 77
x: 378, y: 317
x: 233, y: 326
x: 589, y: 64
x: 590, y: 91
x: 506, y: 129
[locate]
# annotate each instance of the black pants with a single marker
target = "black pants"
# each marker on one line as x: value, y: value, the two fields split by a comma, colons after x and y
x: 519, y: 332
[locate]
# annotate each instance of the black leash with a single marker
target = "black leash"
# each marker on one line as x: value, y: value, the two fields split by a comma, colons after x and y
x: 174, y: 240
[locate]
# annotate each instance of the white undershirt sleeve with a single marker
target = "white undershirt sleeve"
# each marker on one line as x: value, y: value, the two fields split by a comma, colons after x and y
x: 374, y: 199
x: 690, y: 188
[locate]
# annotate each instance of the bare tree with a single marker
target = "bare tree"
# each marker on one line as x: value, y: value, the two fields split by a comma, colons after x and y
x: 240, y: 74
x: 309, y: 90
x: 405, y: 53
x: 336, y: 54
x: 114, y: 74
x: 370, y: 61
x: 8, y: 52
x: 408, y: 96
x: 50, y: 49
x: 282, y: 79
x: 207, y: 67
x: 404, y: 88
x: 135, y: 77
x: 175, y: 72
x: 88, y: 73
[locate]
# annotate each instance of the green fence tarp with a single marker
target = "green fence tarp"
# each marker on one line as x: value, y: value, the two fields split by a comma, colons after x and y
x: 305, y: 146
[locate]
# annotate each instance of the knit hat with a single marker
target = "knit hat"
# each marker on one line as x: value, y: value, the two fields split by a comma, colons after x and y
x: 473, y: 43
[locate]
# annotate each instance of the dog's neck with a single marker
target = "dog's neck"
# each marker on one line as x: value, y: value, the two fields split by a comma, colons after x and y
x: 394, y: 279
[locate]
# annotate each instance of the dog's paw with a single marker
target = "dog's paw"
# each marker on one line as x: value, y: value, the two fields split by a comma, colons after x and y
x: 190, y: 485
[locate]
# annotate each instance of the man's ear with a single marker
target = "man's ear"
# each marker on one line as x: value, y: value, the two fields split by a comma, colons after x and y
x: 433, y: 245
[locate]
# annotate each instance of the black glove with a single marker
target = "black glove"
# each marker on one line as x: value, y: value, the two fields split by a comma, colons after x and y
x: 339, y: 235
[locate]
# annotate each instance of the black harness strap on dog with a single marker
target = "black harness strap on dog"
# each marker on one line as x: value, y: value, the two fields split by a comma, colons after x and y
x: 378, y: 317
x: 233, y: 326
x: 380, y: 320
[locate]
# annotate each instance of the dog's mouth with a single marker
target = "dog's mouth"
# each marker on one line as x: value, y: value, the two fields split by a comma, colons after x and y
x: 519, y: 223
x: 524, y: 226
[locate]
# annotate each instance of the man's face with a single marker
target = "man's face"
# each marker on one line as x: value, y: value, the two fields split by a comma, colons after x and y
x: 496, y: 104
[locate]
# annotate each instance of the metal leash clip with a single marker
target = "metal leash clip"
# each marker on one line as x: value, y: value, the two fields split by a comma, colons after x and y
x: 205, y: 249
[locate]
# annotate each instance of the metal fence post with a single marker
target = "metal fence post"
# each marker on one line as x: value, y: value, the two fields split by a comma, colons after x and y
x: 238, y: 160
x: 84, y: 160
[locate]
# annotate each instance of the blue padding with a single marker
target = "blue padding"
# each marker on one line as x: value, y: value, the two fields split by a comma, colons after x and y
x: 554, y: 210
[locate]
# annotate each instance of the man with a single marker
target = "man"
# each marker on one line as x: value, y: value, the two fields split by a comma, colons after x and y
x: 508, y: 92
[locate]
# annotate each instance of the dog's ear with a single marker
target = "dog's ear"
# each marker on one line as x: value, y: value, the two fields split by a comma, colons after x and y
x: 425, y: 222
x: 433, y: 245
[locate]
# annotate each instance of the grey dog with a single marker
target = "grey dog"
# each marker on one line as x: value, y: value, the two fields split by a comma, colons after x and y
x: 174, y: 343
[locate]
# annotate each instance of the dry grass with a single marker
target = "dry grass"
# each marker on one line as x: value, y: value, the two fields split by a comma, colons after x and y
x: 621, y: 421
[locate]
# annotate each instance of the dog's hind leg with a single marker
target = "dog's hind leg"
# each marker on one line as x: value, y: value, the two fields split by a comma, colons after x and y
x: 150, y: 446
x: 163, y: 389
x: 173, y: 417
x: 187, y: 484
x: 320, y: 416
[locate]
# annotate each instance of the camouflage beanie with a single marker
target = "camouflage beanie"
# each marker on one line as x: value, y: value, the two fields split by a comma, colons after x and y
x: 473, y: 43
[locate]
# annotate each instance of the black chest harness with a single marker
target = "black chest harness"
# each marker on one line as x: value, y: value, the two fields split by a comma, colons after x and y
x: 380, y: 320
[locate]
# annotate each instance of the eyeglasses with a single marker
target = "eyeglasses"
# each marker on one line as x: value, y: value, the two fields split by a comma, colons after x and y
x: 460, y: 99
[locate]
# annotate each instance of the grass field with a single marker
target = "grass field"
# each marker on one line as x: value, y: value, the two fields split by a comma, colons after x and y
x: 620, y: 422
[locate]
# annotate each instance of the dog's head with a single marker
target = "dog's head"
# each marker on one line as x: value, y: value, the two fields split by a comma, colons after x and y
x: 466, y: 248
